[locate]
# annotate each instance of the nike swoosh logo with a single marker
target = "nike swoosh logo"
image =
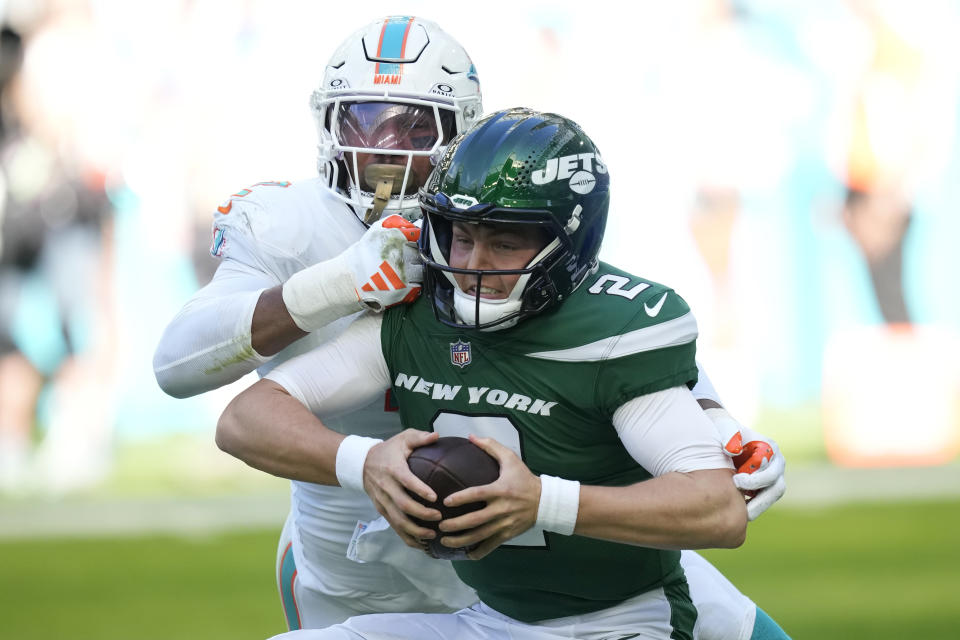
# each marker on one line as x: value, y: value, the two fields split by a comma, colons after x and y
x: 655, y: 309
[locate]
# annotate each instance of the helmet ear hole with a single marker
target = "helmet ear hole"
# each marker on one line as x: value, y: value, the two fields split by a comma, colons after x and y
x: 538, y: 297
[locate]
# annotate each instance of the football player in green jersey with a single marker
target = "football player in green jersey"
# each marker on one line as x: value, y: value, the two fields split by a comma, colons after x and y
x: 572, y: 374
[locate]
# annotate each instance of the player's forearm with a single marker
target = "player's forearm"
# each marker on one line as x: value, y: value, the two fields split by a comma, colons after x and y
x: 207, y: 345
x: 696, y: 510
x: 272, y: 431
x: 242, y: 318
x: 272, y: 328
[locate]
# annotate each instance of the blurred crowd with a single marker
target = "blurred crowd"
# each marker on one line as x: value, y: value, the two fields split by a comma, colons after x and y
x: 119, y: 135
x: 794, y: 160
x: 56, y: 309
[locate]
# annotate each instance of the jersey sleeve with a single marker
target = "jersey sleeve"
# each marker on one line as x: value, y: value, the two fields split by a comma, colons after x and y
x: 208, y: 343
x: 260, y: 234
x: 263, y: 235
x: 280, y: 228
x: 667, y: 431
x: 651, y: 353
x: 341, y: 375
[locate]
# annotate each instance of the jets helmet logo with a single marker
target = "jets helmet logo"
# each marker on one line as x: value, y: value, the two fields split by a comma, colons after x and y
x: 462, y: 201
x: 578, y: 169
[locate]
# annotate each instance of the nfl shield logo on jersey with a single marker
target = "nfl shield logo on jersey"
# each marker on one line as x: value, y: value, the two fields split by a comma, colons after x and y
x: 460, y: 353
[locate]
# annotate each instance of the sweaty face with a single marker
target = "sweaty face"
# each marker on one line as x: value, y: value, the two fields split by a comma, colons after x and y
x: 493, y: 247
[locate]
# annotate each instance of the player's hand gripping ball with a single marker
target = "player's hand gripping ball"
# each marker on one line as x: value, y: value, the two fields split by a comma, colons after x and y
x: 447, y: 466
x: 755, y: 456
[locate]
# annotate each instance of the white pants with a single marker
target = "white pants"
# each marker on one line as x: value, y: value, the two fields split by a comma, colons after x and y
x: 723, y: 614
x: 642, y: 617
x: 312, y: 608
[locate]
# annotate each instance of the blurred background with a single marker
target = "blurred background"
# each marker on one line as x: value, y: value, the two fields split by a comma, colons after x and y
x: 791, y: 168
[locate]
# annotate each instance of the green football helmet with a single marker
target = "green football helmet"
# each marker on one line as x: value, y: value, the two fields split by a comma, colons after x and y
x: 515, y: 167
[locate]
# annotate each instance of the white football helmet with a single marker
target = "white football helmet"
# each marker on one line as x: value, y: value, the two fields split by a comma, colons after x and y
x: 393, y: 95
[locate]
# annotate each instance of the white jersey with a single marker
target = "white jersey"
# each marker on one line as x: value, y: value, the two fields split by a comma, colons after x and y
x: 264, y: 235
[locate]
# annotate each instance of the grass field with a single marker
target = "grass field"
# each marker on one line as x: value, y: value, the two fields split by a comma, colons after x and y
x: 856, y: 571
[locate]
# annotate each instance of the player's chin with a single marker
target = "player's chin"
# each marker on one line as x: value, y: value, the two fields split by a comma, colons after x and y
x: 417, y: 180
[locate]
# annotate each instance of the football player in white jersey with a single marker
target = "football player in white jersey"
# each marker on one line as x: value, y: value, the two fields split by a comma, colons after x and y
x: 298, y: 264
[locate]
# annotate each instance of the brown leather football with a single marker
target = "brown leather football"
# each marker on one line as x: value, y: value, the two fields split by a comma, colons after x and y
x: 447, y: 466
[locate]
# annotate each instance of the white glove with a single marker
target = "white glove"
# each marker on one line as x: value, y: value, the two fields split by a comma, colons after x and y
x: 759, y: 463
x: 380, y: 270
x: 386, y: 263
x: 760, y: 472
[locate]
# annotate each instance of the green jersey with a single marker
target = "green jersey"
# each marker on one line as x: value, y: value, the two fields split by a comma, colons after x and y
x: 548, y: 388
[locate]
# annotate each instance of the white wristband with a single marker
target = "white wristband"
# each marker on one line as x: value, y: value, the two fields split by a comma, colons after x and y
x: 559, y: 504
x: 318, y: 295
x: 351, y: 455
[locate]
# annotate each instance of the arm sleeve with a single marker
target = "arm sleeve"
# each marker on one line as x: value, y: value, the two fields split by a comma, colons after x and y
x: 341, y: 375
x: 667, y: 431
x: 704, y: 389
x: 207, y: 344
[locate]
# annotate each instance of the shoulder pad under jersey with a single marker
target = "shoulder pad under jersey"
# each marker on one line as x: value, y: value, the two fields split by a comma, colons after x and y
x: 613, y: 314
x: 287, y: 226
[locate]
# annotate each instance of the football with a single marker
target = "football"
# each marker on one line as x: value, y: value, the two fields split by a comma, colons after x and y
x: 447, y: 466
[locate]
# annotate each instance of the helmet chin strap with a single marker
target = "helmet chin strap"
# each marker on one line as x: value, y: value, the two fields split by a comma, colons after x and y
x: 389, y: 179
